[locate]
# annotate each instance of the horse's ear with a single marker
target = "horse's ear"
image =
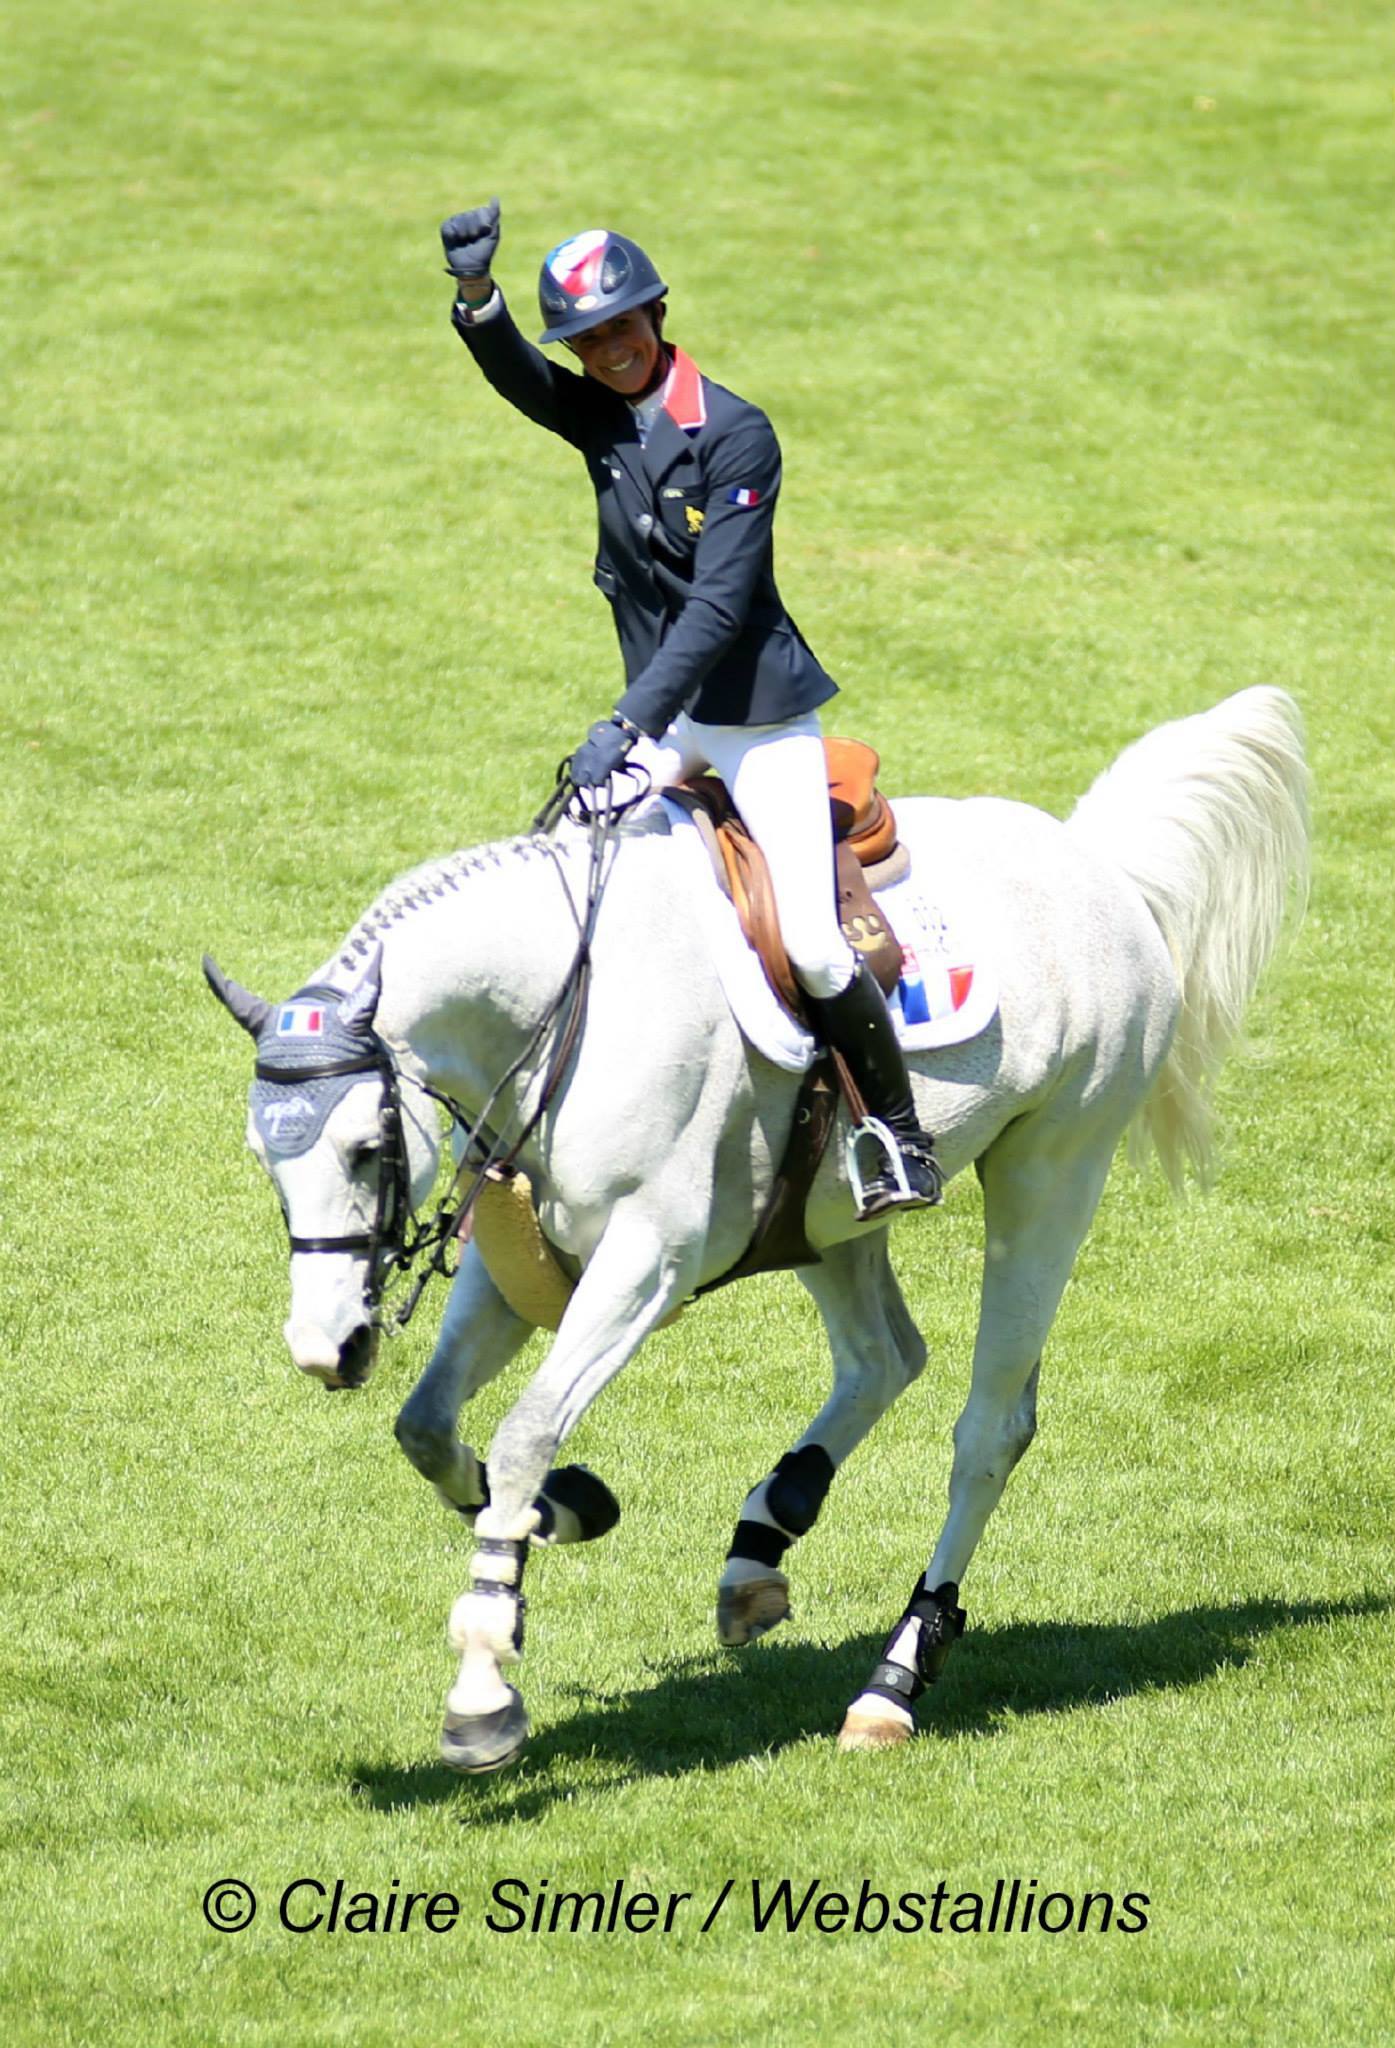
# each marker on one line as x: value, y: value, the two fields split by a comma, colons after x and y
x: 250, y: 1011
x: 357, y: 1010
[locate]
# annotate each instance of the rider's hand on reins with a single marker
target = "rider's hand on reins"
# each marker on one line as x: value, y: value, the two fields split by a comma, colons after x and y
x: 603, y: 752
x: 585, y: 787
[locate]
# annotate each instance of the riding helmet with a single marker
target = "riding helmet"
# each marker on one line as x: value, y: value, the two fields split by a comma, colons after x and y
x: 591, y: 277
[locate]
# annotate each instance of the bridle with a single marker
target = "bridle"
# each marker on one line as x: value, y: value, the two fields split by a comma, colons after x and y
x: 397, y: 1240
x: 385, y: 1242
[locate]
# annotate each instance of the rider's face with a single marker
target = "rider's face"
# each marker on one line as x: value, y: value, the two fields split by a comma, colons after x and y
x: 624, y: 354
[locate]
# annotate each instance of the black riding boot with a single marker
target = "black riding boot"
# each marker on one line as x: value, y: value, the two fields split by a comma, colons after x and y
x: 904, y: 1173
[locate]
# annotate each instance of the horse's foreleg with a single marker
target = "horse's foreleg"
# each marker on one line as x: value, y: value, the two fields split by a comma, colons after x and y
x: 629, y: 1286
x: 480, y: 1335
x: 877, y: 1352
x: 1037, y: 1207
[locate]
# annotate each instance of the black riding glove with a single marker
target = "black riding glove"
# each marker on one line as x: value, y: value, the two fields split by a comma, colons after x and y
x: 471, y: 240
x: 605, y: 749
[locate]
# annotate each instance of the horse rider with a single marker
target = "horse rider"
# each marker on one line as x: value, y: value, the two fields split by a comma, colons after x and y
x: 686, y: 476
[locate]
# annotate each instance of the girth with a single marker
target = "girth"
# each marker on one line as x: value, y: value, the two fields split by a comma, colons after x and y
x: 536, y: 1278
x: 867, y: 855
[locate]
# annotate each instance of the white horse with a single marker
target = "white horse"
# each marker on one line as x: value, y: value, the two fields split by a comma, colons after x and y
x: 1133, y: 937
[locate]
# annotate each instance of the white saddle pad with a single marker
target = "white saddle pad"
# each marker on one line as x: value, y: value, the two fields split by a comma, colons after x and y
x: 948, y: 990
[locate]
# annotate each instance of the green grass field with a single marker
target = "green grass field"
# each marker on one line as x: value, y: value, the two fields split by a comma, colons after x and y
x: 1075, y: 323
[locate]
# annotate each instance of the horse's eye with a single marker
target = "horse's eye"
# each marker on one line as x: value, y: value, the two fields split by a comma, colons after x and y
x: 362, y: 1156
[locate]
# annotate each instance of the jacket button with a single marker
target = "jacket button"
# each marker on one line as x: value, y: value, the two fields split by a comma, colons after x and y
x: 645, y: 521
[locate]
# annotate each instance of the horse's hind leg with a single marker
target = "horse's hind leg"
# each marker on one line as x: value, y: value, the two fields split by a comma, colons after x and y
x: 877, y: 1352
x: 1038, y: 1202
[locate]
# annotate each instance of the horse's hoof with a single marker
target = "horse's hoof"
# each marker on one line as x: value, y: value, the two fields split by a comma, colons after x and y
x: 750, y: 1609
x: 485, y: 1742
x: 865, y: 1729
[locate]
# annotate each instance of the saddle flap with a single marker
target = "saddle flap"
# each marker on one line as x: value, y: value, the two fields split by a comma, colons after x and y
x: 864, y: 829
x: 864, y: 927
x: 743, y: 874
x: 748, y: 879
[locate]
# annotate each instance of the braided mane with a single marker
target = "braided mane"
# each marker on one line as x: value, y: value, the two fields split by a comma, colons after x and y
x: 423, y: 886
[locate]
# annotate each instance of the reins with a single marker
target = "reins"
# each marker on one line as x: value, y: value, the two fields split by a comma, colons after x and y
x: 566, y: 1012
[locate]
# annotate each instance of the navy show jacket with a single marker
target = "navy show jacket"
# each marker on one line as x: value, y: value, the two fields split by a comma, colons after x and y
x: 685, y: 554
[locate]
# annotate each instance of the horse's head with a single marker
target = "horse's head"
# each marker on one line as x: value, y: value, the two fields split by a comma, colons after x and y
x: 351, y: 1145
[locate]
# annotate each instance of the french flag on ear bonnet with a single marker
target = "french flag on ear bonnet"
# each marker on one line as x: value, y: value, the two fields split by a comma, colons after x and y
x: 300, y: 1020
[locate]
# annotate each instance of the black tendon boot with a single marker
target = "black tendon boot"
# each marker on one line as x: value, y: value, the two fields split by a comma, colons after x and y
x: 891, y: 1160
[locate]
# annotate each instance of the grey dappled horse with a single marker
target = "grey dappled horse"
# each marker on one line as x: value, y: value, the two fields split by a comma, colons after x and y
x: 1132, y: 938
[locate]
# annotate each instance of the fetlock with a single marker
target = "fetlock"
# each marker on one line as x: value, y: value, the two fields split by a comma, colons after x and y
x: 783, y: 1508
x: 916, y: 1651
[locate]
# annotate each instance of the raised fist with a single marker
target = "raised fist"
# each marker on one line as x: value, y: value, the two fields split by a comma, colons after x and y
x: 471, y: 240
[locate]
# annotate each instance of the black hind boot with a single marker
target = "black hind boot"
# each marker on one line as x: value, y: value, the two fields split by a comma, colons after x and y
x: 903, y: 1171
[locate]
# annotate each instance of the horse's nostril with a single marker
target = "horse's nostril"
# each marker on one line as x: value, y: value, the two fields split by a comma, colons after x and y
x: 357, y: 1354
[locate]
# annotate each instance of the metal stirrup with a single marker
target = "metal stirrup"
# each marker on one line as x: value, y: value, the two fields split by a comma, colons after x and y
x: 883, y: 1136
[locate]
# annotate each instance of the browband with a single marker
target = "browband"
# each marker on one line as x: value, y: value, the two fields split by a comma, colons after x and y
x: 371, y: 1063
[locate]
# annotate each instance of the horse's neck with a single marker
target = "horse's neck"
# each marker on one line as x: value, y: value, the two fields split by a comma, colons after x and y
x: 475, y: 949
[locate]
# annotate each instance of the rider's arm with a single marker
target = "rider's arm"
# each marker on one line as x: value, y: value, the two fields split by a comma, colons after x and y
x: 555, y: 398
x: 743, y: 482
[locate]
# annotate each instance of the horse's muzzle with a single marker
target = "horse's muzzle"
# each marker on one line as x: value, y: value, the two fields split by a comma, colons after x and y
x: 335, y: 1365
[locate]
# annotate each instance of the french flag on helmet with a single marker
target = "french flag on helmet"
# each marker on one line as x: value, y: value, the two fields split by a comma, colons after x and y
x: 575, y: 265
x: 590, y: 278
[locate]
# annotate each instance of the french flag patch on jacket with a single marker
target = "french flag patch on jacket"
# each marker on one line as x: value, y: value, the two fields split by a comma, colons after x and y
x: 740, y: 497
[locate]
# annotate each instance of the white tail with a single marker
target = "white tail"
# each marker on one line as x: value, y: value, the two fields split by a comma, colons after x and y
x: 1208, y: 817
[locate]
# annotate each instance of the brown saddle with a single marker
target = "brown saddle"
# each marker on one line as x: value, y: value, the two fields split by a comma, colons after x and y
x: 868, y: 856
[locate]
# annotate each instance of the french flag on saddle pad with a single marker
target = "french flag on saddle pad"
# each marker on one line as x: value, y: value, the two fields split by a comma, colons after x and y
x: 743, y: 497
x: 932, y: 990
x: 300, y: 1020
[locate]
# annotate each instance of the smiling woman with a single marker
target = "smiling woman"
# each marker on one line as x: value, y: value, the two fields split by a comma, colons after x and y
x: 624, y: 354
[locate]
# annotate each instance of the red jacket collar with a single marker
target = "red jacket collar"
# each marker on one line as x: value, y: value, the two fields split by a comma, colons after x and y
x: 684, y: 401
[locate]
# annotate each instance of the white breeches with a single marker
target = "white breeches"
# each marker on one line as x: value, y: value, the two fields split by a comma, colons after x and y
x: 777, y: 780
